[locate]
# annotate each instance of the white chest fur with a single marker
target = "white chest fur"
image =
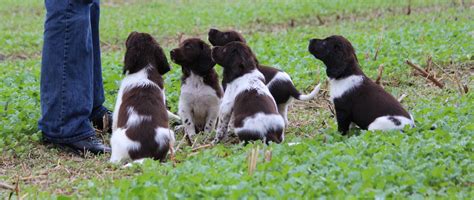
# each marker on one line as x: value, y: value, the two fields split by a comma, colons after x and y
x: 197, y: 100
x: 195, y: 85
x: 338, y: 87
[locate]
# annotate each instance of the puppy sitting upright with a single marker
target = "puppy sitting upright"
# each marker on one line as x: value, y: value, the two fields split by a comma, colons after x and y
x: 140, y: 121
x: 278, y: 82
x: 200, y: 90
x: 246, y: 97
x: 356, y: 98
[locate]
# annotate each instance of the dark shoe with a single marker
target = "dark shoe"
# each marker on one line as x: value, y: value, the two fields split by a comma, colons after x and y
x: 91, y: 144
x: 106, y: 119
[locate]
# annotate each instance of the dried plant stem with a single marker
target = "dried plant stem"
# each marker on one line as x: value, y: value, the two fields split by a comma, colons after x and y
x: 425, y: 74
x: 252, y: 160
x: 202, y: 147
x: 379, y: 75
x: 429, y: 64
x: 7, y: 186
x: 400, y: 99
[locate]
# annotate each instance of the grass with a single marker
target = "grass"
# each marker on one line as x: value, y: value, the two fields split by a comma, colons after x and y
x: 433, y: 160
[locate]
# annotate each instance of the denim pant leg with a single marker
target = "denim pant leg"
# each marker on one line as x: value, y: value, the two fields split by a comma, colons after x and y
x: 67, y: 72
x: 98, y: 109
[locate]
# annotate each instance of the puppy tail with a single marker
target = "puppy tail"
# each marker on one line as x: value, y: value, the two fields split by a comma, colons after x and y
x: 173, y: 116
x: 306, y: 97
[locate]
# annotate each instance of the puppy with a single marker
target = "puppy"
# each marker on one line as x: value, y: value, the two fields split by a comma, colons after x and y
x: 278, y: 82
x: 246, y: 98
x: 140, y: 121
x: 356, y: 97
x: 200, y: 90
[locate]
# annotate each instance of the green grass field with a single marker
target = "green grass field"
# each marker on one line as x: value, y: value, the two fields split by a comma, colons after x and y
x: 435, y: 160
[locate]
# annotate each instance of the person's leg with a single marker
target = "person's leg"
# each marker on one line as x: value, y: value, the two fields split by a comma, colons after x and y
x: 66, y: 72
x: 98, y: 110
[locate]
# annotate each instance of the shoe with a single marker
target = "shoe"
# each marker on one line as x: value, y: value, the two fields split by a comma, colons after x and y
x: 91, y: 144
x: 98, y: 123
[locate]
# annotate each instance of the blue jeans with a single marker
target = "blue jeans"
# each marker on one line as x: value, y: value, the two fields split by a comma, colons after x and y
x: 71, y: 89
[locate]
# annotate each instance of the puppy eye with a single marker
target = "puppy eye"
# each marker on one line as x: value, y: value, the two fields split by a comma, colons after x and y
x: 226, y: 36
x: 187, y: 46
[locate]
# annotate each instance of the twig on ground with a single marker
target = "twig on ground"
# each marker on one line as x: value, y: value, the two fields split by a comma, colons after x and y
x: 458, y: 83
x: 172, y: 157
x: 400, y: 99
x: 194, y: 143
x: 379, y: 75
x: 202, y: 147
x: 429, y: 63
x: 180, y: 142
x: 462, y: 87
x: 379, y: 44
x: 425, y: 74
x: 321, y: 21
x: 252, y: 160
x: 7, y: 186
x: 330, y: 107
x: 17, y: 186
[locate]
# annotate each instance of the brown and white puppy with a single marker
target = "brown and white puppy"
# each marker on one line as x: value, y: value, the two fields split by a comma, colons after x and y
x: 200, y: 90
x: 278, y: 82
x: 356, y: 97
x: 140, y: 121
x: 246, y: 97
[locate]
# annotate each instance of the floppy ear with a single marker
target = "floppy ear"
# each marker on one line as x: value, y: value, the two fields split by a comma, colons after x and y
x: 247, y: 61
x: 160, y: 60
x: 132, y: 60
x: 205, y: 57
x: 127, y: 42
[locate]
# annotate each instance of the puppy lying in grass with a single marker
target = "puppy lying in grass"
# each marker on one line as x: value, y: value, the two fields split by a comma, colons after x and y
x: 200, y: 90
x: 278, y: 82
x: 140, y: 121
x: 246, y: 97
x: 356, y: 97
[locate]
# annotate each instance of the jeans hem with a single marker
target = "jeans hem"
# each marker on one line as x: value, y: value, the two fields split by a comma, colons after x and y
x: 98, y: 113
x: 69, y: 140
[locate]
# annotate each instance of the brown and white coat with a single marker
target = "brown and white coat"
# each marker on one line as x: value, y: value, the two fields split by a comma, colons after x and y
x: 246, y: 98
x: 356, y: 97
x: 140, y: 121
x: 278, y: 82
x: 200, y: 90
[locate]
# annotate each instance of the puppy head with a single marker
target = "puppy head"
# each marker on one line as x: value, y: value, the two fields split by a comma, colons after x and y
x: 221, y: 38
x: 337, y: 54
x: 143, y: 50
x: 194, y: 54
x: 235, y: 57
